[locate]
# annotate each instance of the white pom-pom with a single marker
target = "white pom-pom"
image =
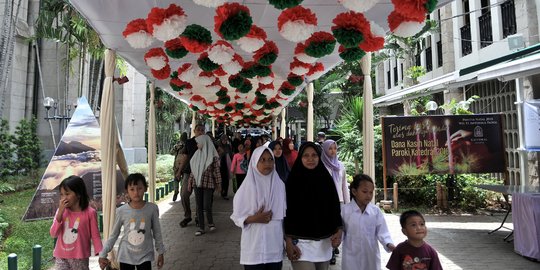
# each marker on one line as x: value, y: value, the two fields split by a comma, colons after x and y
x: 359, y: 5
x: 219, y: 106
x: 377, y: 30
x: 299, y: 70
x: 156, y: 62
x: 209, y: 3
x: 297, y: 31
x: 266, y: 80
x: 302, y: 57
x: 242, y: 96
x: 207, y: 80
x: 170, y: 28
x: 213, y: 88
x: 232, y: 67
x: 250, y: 44
x: 256, y: 106
x: 237, y: 117
x: 266, y: 91
x: 220, y: 54
x: 408, y: 28
x: 189, y: 75
x: 140, y: 40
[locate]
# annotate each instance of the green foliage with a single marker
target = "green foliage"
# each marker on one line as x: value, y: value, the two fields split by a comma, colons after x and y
x: 168, y: 111
x: 27, y: 146
x: 418, y: 105
x: 6, y: 149
x: 415, y: 72
x: 461, y: 107
x: 164, y: 168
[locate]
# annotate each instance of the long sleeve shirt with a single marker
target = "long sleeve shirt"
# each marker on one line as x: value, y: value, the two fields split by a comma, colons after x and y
x: 74, y: 233
x: 141, y: 230
x: 361, y: 232
x: 235, y: 164
x: 342, y: 186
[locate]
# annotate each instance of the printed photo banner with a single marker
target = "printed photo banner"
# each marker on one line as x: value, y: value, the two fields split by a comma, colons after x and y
x: 78, y: 153
x: 445, y: 144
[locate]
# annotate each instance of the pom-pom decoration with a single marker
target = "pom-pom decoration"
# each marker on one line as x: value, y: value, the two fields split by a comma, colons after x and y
x: 358, y: 5
x: 248, y: 70
x: 220, y: 72
x: 156, y: 58
x: 351, y: 54
x: 372, y: 43
x: 283, y: 4
x: 236, y: 81
x: 297, y: 24
x: 166, y: 24
x: 198, y: 101
x: 179, y: 85
x: 206, y: 78
x: 315, y: 72
x: 253, y: 41
x: 404, y: 27
x: 205, y: 63
x: 229, y: 108
x: 175, y: 49
x: 232, y: 21
x: 299, y: 68
x: 267, y: 79
x: 187, y: 72
x: 266, y: 89
x: 222, y: 92
x: 295, y: 80
x: 267, y: 54
x: 262, y: 71
x: 286, y: 89
x: 163, y: 73
x: 221, y: 52
x: 209, y: 3
x: 224, y: 100
x: 234, y: 66
x: 196, y: 39
x: 414, y: 10
x: 137, y: 35
x: 246, y: 87
x: 350, y: 28
x: 320, y: 44
x: 300, y: 54
x: 260, y: 100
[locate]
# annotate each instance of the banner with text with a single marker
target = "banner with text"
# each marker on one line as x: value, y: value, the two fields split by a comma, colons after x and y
x: 445, y: 144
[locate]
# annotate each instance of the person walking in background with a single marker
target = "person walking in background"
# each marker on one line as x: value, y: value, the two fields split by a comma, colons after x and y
x: 338, y: 173
x: 364, y: 225
x: 237, y: 140
x: 180, y: 161
x: 259, y: 208
x: 282, y: 167
x: 289, y: 152
x: 313, y: 221
x: 140, y: 220
x: 224, y: 165
x: 413, y: 253
x: 321, y: 137
x: 185, y: 192
x: 236, y: 165
x: 204, y: 179
x: 75, y: 226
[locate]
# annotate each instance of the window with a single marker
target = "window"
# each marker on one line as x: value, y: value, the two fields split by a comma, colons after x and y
x: 439, y: 54
x: 466, y: 45
x: 508, y: 13
x: 388, y: 80
x: 429, y: 55
x: 484, y: 22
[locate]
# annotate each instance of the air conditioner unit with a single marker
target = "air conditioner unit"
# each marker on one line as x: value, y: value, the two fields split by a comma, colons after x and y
x: 515, y: 42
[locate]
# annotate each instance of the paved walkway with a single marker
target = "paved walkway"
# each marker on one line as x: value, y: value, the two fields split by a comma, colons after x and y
x: 462, y: 241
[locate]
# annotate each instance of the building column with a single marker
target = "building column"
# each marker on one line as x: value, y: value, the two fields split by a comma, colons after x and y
x: 283, y: 130
x: 368, y: 146
x: 274, y: 128
x: 193, y: 123
x: 523, y: 154
x: 298, y: 133
x: 309, y: 128
x: 214, y: 128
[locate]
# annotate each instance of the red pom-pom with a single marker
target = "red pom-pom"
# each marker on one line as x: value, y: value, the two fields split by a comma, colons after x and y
x: 371, y: 43
x: 269, y: 47
x: 194, y: 46
x: 351, y: 20
x: 137, y: 35
x: 219, y: 71
x: 163, y: 73
x: 414, y: 10
x: 156, y: 58
x: 299, y: 68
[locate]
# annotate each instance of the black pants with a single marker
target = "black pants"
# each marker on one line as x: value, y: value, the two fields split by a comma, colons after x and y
x: 224, y: 183
x: 239, y: 179
x: 264, y: 266
x: 143, y: 266
x: 204, y: 197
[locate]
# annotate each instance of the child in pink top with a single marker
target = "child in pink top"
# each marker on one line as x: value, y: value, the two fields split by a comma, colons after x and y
x: 75, y: 225
x: 239, y: 173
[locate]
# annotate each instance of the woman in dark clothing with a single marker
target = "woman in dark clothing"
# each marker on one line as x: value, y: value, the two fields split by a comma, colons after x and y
x: 281, y: 164
x: 313, y: 224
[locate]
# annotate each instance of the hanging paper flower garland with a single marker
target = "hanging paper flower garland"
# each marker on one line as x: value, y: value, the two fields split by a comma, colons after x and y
x: 372, y: 43
x: 198, y: 102
x: 358, y: 5
x: 403, y: 26
x: 248, y: 71
x: 206, y: 78
x: 286, y: 89
x: 351, y: 54
x: 246, y: 87
x: 179, y: 85
x: 205, y: 63
x: 220, y: 72
x: 320, y: 44
x: 315, y: 72
x: 165, y: 24
x: 350, y: 28
x: 267, y: 79
x: 196, y: 39
x: 209, y: 3
x: 262, y: 71
x: 299, y: 68
x: 408, y: 17
x: 283, y: 4
x: 253, y: 41
x: 221, y: 52
x: 297, y: 24
x: 295, y: 80
x: 137, y: 35
x: 267, y: 54
x: 234, y: 66
x: 187, y: 72
x: 266, y: 89
x: 156, y: 58
x: 300, y: 54
x: 163, y: 73
x: 232, y: 21
x: 175, y: 49
x: 236, y: 81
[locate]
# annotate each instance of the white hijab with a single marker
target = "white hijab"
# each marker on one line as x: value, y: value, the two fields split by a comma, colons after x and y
x: 259, y: 190
x: 202, y: 158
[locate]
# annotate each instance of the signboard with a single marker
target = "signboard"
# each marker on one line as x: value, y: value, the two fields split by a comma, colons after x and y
x: 78, y: 153
x: 531, y: 124
x: 445, y: 144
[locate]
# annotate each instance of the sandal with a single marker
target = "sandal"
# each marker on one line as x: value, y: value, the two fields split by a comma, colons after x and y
x: 199, y: 233
x: 185, y: 222
x: 211, y: 227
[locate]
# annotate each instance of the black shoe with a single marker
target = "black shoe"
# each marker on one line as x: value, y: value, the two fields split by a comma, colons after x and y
x: 185, y: 222
x: 333, y: 261
x: 175, y: 196
x: 336, y: 251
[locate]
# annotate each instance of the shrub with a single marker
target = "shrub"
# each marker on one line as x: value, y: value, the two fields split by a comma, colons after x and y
x: 164, y: 171
x: 27, y: 146
x: 6, y: 149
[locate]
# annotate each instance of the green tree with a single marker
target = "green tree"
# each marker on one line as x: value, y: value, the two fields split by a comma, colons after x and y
x: 6, y: 149
x: 27, y: 146
x: 168, y: 112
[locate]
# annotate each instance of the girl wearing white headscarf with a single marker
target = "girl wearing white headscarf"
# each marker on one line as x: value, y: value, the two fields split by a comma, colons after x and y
x: 259, y: 208
x: 205, y: 178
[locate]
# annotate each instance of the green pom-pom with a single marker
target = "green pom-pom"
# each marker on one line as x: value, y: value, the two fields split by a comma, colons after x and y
x: 267, y: 106
x: 236, y: 26
x: 224, y: 100
x: 262, y: 71
x: 236, y: 81
x: 349, y: 38
x: 177, y: 54
x: 320, y: 49
x: 295, y: 80
x: 268, y: 59
x: 194, y: 108
x: 259, y: 94
x: 352, y: 54
x: 174, y: 74
x: 283, y: 4
x: 431, y: 5
x: 199, y: 33
x: 248, y: 73
x: 221, y: 93
x: 239, y: 106
x: 246, y: 87
x: 286, y: 91
x: 275, y: 104
x: 176, y: 87
x: 228, y: 108
x: 207, y: 65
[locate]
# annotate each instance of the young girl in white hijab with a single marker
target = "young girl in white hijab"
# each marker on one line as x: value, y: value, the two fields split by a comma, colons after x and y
x: 259, y: 208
